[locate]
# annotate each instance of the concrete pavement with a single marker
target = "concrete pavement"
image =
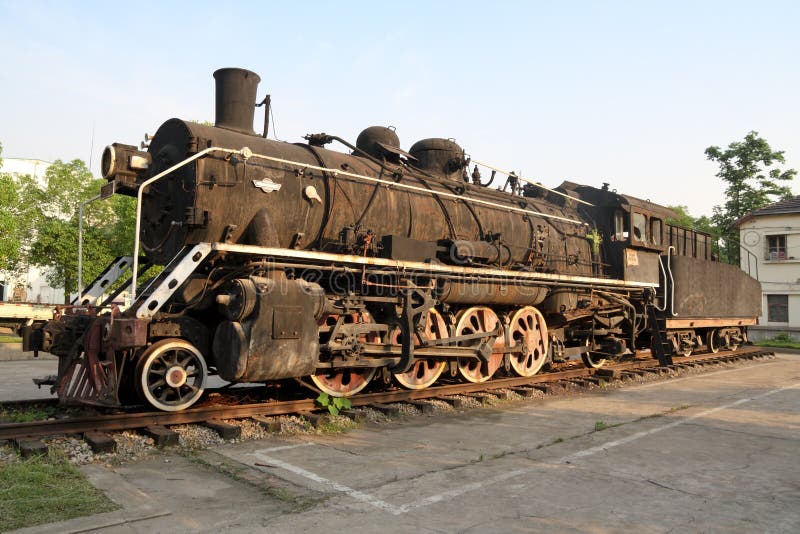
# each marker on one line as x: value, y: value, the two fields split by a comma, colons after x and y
x: 712, y: 452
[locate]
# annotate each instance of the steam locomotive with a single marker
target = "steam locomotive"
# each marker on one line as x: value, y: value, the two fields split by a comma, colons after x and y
x: 292, y: 261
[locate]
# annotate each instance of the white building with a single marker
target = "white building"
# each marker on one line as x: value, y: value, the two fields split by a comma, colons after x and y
x: 33, y: 282
x: 22, y: 166
x: 770, y: 252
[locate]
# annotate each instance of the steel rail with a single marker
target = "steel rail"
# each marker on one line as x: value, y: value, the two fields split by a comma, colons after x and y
x: 136, y: 420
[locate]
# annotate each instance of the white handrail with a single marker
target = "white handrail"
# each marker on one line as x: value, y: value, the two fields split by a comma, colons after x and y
x: 390, y: 183
x: 671, y: 283
x: 668, y: 272
x: 139, y: 203
x: 246, y: 153
x: 663, y: 308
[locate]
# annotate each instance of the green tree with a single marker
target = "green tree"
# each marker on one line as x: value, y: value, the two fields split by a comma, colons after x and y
x: 9, y: 221
x: 749, y: 168
x: 54, y: 213
x: 684, y: 220
x: 702, y: 224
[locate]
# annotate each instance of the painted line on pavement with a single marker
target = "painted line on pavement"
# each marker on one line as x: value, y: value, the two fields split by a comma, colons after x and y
x: 467, y: 488
x: 285, y: 447
x: 341, y: 488
x: 633, y: 437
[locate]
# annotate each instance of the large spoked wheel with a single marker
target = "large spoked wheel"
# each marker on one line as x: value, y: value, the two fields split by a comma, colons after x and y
x: 171, y: 375
x: 473, y: 321
x: 343, y: 382
x: 528, y: 331
x: 425, y: 371
x: 347, y: 381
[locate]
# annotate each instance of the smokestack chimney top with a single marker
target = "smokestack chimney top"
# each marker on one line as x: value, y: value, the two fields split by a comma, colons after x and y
x: 236, y: 99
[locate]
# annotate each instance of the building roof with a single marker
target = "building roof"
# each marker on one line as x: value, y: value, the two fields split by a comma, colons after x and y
x: 21, y: 166
x: 782, y: 207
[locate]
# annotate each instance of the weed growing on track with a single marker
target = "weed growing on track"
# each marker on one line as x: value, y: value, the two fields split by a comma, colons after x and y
x: 38, y: 412
x: 27, y: 415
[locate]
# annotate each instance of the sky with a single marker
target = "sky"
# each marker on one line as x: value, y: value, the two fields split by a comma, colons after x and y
x: 629, y: 93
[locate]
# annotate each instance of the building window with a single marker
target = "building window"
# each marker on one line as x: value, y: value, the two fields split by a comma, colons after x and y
x: 776, y: 247
x: 778, y: 308
x: 639, y: 227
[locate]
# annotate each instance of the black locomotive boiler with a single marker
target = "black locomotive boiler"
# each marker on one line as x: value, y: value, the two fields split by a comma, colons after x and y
x: 295, y: 261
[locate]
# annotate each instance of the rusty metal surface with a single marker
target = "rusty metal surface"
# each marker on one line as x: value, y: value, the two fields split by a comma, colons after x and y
x: 379, y: 233
x: 712, y: 289
x: 711, y: 323
x: 219, y: 198
x: 278, y: 339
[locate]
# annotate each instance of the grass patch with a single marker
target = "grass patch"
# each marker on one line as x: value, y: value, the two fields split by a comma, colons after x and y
x: 602, y: 425
x: 37, y: 412
x: 10, y: 339
x: 25, y: 415
x: 778, y: 344
x: 338, y: 426
x: 46, y: 489
x: 41, y: 411
x: 781, y: 341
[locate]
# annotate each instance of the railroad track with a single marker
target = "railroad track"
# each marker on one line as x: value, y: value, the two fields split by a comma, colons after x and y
x: 93, y: 428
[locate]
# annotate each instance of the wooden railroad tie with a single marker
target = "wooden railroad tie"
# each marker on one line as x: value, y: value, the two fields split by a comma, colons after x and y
x: 453, y: 401
x: 100, y: 442
x: 28, y: 448
x: 225, y: 430
x: 389, y: 410
x: 425, y: 407
x: 267, y: 424
x: 356, y: 416
x: 162, y: 436
x: 317, y: 420
x: 607, y: 373
x: 484, y: 398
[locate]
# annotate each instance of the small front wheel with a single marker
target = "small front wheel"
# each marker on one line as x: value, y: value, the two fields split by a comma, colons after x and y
x: 171, y: 375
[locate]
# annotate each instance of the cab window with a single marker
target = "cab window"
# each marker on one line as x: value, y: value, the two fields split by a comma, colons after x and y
x: 620, y: 226
x: 655, y: 232
x: 639, y: 226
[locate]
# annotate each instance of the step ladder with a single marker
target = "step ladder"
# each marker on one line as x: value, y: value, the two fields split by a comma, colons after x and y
x: 103, y: 282
x: 158, y: 291
x: 661, y: 347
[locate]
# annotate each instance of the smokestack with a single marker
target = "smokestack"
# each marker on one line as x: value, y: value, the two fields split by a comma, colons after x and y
x: 236, y: 99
